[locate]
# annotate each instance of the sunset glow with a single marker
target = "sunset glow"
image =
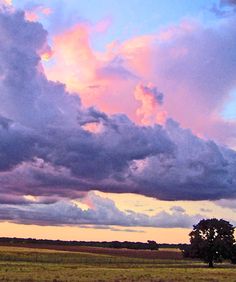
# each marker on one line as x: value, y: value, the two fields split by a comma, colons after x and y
x: 117, y: 118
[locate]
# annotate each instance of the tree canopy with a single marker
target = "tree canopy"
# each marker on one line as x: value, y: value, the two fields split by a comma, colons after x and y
x: 211, y: 240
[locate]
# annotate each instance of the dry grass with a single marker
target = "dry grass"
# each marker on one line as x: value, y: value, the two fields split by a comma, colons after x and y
x: 28, y: 264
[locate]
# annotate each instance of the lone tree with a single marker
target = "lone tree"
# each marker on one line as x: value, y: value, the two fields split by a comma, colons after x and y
x: 211, y: 240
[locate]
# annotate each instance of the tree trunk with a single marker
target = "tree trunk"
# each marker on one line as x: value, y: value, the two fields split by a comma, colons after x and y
x: 211, y: 263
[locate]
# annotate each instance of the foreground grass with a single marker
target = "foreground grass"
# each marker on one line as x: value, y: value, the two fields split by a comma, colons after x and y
x: 28, y: 265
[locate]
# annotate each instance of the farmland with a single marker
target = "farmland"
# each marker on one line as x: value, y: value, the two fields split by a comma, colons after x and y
x: 33, y: 264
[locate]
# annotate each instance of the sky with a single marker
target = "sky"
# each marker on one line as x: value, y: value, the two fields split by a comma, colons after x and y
x: 117, y: 118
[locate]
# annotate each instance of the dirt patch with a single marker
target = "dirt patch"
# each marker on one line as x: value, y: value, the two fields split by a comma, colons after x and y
x: 148, y: 254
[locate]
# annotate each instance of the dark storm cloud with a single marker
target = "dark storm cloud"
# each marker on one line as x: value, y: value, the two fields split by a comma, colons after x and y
x: 46, y: 150
x: 197, y: 170
x: 16, y: 144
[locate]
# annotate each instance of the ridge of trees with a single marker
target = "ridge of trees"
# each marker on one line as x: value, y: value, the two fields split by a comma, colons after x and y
x: 149, y: 245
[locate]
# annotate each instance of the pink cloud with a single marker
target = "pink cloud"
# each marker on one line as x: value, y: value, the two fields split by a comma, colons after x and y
x: 103, y: 25
x: 191, y: 64
x: 45, y: 150
x: 72, y: 52
x: 6, y: 2
x: 36, y: 12
x: 99, y: 78
x: 150, y: 111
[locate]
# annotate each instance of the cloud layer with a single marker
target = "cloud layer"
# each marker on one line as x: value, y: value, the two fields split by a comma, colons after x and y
x: 102, y: 213
x: 191, y: 63
x: 53, y: 147
x: 46, y: 149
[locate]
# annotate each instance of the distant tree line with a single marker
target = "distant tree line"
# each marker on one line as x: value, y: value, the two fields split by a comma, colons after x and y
x: 149, y: 245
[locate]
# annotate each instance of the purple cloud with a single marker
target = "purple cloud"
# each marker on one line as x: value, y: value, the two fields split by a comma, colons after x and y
x: 104, y: 212
x: 46, y: 150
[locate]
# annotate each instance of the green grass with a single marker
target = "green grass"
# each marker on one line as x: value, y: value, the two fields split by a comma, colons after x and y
x: 22, y: 264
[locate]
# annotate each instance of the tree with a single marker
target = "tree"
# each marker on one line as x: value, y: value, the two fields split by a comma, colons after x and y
x: 152, y: 245
x: 233, y: 256
x: 211, y: 240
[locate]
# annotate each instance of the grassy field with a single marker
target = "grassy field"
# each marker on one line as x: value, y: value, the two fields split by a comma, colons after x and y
x: 28, y: 265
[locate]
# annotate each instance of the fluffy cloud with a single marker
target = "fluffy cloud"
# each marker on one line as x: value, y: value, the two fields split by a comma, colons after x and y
x: 5, y: 3
x: 198, y: 170
x: 227, y: 203
x: 196, y: 78
x: 151, y: 101
x: 47, y: 150
x: 104, y: 212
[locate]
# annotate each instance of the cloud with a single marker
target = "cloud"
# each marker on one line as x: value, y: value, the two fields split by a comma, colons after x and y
x: 205, y: 210
x: 195, y: 76
x: 198, y: 170
x: 47, y: 149
x: 227, y: 203
x: 225, y: 8
x: 228, y: 2
x: 5, y: 3
x: 111, y: 228
x: 100, y: 78
x: 151, y: 101
x: 16, y: 145
x: 115, y: 70
x: 34, y: 12
x: 177, y: 209
x: 103, y: 213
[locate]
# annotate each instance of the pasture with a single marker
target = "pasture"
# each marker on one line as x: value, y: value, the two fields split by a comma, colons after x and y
x: 33, y: 264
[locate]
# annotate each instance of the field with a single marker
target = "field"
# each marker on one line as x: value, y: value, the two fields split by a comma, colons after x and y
x: 30, y: 264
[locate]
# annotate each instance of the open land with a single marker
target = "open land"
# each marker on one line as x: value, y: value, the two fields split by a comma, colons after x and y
x: 70, y: 263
